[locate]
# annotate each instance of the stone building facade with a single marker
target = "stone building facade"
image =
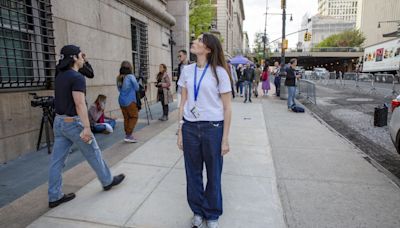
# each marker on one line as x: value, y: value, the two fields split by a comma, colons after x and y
x: 108, y: 31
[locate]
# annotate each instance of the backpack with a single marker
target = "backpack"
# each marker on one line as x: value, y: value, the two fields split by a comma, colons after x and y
x: 297, y: 109
x: 139, y: 95
x: 264, y: 76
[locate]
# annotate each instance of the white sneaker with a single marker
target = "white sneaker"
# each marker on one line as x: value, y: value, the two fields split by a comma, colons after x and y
x: 197, y: 221
x: 130, y: 139
x: 212, y: 224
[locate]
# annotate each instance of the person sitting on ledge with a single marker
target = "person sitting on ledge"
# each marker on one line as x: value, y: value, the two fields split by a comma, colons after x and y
x: 98, y: 121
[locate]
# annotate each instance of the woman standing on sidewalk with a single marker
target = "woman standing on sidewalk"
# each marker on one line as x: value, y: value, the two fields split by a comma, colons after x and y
x: 205, y: 114
x: 265, y: 80
x: 127, y: 87
x: 164, y: 94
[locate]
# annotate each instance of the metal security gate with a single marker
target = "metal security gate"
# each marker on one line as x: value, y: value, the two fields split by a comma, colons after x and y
x: 27, y: 50
x: 140, y: 56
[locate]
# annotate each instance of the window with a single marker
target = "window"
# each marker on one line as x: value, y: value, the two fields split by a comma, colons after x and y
x: 140, y: 55
x: 27, y: 55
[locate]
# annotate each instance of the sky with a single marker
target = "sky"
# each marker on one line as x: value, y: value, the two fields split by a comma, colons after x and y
x: 255, y: 18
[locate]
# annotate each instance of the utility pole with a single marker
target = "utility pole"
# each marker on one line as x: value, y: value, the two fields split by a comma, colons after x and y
x: 283, y: 5
x: 265, y: 30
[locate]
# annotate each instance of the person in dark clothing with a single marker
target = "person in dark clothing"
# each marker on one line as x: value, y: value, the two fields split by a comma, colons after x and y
x: 249, y: 77
x: 240, y: 76
x: 71, y: 126
x: 290, y: 83
x: 277, y: 79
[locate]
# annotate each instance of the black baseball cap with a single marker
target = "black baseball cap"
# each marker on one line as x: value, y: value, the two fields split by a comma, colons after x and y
x: 66, y: 55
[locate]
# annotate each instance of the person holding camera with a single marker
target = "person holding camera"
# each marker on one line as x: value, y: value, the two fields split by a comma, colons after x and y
x: 163, y: 92
x: 128, y: 86
x: 98, y: 121
x: 71, y: 126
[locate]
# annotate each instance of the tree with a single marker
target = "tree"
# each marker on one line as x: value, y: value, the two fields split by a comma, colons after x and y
x: 348, y: 38
x: 259, y: 46
x: 201, y: 15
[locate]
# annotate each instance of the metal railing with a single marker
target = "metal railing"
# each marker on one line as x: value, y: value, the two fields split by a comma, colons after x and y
x: 306, y: 89
x: 337, y: 49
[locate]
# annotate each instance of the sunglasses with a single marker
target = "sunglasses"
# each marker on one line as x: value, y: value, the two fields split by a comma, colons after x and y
x: 200, y: 39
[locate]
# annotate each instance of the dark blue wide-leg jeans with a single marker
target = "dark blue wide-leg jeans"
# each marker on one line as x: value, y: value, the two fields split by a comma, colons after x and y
x: 202, y: 145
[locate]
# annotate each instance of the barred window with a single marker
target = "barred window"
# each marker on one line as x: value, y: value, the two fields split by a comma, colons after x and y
x: 140, y: 57
x: 27, y: 55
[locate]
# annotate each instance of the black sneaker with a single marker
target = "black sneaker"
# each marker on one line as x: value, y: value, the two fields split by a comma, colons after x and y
x: 250, y: 100
x: 245, y: 101
x: 65, y: 198
x: 116, y: 181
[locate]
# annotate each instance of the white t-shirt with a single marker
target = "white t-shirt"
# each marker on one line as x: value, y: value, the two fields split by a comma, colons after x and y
x: 209, y: 104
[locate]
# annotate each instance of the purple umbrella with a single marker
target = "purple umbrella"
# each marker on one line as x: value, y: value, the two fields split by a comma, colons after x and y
x: 239, y: 59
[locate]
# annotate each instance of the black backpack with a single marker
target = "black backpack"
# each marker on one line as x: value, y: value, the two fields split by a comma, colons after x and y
x: 297, y: 109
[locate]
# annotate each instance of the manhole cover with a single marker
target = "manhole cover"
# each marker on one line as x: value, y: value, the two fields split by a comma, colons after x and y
x: 359, y: 99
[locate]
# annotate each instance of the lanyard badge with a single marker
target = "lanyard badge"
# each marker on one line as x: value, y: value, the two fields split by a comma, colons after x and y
x: 194, y: 110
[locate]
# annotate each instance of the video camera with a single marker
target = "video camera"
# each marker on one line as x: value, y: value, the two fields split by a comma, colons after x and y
x: 42, y: 101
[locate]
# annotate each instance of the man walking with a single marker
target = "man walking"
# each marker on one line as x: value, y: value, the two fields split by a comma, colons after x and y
x: 277, y: 79
x: 290, y: 83
x: 258, y: 73
x: 249, y: 77
x: 71, y: 126
x: 183, y: 61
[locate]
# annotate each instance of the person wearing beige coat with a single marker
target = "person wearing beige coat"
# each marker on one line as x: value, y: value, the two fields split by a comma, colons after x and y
x: 164, y: 93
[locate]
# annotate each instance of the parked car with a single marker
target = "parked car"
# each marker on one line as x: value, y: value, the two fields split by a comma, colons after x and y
x: 394, y: 125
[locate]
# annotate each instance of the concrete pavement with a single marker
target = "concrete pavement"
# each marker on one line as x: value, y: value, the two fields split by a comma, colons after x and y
x: 284, y: 170
x: 154, y: 193
x: 323, y: 179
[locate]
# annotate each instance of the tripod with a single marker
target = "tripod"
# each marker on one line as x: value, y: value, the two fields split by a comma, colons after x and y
x: 47, y: 118
x: 147, y: 108
x: 142, y: 93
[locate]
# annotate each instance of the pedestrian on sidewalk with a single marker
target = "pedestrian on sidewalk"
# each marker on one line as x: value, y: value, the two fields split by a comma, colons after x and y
x: 128, y: 86
x: 205, y: 115
x: 277, y: 79
x: 183, y: 61
x: 99, y: 122
x: 71, y: 126
x: 290, y: 83
x: 240, y: 76
x: 258, y: 73
x: 163, y: 93
x: 265, y: 80
x: 249, y: 77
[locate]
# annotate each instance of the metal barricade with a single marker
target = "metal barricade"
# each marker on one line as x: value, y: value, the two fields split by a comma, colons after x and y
x: 306, y: 89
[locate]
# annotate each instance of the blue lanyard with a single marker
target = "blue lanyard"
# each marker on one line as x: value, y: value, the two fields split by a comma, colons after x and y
x: 197, y: 88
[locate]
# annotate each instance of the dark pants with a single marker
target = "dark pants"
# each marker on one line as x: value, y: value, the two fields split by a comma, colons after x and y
x: 202, y: 144
x: 277, y: 82
x: 164, y: 105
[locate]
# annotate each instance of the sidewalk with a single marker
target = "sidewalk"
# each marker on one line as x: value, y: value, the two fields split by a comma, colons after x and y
x: 154, y: 193
x: 323, y: 180
x: 284, y: 170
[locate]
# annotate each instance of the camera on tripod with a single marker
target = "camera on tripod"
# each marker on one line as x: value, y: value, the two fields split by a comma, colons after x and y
x: 48, y: 114
x: 42, y: 101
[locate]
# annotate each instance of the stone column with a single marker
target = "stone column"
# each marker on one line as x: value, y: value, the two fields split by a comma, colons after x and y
x: 180, y: 10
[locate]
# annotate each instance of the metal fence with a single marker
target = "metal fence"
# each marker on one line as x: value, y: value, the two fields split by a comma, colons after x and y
x: 306, y: 89
x: 357, y: 80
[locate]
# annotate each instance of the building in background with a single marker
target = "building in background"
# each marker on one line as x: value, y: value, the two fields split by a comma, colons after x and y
x: 320, y: 28
x: 229, y: 22
x: 109, y: 32
x: 371, y: 12
x: 341, y: 9
x: 246, y: 45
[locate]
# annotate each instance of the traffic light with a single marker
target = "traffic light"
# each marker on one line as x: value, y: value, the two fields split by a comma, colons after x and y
x: 307, y: 36
x: 285, y: 44
x: 283, y: 4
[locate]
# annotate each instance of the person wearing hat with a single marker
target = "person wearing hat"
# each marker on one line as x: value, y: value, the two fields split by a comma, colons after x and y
x: 71, y: 126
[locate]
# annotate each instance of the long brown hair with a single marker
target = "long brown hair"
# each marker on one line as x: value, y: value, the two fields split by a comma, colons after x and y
x: 161, y: 73
x: 100, y: 98
x: 125, y: 69
x: 216, y: 57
